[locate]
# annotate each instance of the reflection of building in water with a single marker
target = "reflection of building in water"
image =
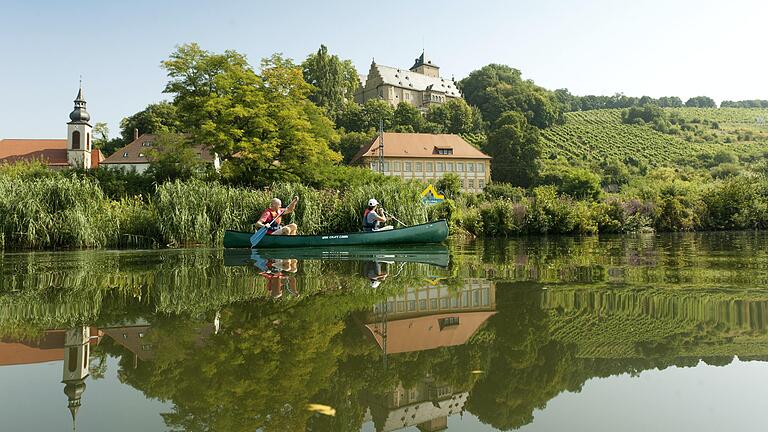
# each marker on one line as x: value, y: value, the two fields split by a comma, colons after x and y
x: 48, y: 348
x: 76, y: 362
x: 432, y: 316
x: 426, y: 405
x: 72, y: 348
x: 133, y: 338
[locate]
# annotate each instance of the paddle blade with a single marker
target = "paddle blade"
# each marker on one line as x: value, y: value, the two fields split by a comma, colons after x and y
x: 258, y: 235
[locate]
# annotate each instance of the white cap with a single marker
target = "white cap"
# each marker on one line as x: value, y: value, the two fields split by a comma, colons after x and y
x: 372, y: 202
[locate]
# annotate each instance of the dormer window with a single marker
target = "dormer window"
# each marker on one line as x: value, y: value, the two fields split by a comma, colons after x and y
x: 444, y: 150
x: 125, y: 154
x: 141, y: 154
x: 146, y: 144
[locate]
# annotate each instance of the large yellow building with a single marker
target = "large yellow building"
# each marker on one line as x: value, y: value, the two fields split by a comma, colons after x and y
x: 427, y: 158
x: 421, y: 85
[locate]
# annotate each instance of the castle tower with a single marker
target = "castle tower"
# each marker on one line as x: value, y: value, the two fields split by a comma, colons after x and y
x: 76, y: 359
x: 424, y: 66
x: 79, y: 135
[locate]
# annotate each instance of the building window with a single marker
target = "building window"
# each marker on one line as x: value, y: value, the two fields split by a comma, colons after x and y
x: 418, y: 167
x: 125, y: 154
x: 460, y: 167
x: 407, y: 167
x: 386, y: 166
x: 471, y: 183
x: 481, y: 167
x: 373, y: 164
x: 481, y: 184
x: 88, y: 141
x: 470, y: 167
x: 397, y: 166
x: 449, y: 167
x: 448, y: 322
x: 76, y: 140
x: 439, y: 167
x: 429, y: 167
x: 444, y: 151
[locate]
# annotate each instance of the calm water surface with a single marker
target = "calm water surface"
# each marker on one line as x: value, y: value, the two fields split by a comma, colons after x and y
x: 595, y: 334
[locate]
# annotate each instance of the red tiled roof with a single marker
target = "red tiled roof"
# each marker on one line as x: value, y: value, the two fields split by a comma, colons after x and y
x: 420, y: 145
x: 51, y: 151
x: 137, y: 151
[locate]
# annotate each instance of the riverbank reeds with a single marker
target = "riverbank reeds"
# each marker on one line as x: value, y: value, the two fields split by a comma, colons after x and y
x: 60, y: 211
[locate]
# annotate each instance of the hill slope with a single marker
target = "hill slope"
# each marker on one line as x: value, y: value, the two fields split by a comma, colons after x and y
x: 600, y: 134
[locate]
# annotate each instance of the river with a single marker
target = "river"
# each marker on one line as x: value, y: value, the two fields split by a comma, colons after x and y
x: 631, y: 333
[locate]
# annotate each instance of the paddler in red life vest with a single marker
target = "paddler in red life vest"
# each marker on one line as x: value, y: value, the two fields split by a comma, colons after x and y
x: 272, y: 217
x: 373, y: 217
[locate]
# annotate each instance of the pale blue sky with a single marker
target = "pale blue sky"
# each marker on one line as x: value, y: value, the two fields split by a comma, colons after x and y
x: 682, y: 48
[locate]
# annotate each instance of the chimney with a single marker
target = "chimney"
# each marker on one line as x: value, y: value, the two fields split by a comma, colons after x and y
x: 135, y: 134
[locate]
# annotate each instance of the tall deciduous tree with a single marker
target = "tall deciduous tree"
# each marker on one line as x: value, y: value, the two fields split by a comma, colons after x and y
x: 515, y: 147
x: 264, y: 124
x: 408, y: 118
x: 335, y: 81
x: 455, y: 117
x: 496, y: 89
x: 155, y: 118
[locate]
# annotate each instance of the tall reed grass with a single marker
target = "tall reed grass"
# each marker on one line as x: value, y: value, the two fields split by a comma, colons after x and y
x: 70, y: 212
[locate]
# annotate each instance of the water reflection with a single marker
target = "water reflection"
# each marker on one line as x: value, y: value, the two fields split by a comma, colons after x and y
x: 387, y: 340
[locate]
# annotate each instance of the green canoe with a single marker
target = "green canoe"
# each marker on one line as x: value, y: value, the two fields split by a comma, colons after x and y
x: 430, y: 232
x: 432, y: 254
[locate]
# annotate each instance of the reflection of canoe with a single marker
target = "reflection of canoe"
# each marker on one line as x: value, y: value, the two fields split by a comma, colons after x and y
x: 430, y: 232
x: 436, y: 255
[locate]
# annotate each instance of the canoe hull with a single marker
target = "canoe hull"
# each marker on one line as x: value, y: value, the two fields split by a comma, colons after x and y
x: 430, y: 232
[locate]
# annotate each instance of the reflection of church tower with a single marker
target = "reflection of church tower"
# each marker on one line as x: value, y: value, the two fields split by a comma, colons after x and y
x: 76, y: 352
x: 79, y: 135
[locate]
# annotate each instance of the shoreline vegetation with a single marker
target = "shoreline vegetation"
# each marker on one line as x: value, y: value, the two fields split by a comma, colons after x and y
x: 43, y: 209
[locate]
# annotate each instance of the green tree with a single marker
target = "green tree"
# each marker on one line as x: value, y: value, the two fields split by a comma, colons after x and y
x: 449, y: 185
x: 515, y: 148
x: 157, y: 117
x: 335, y: 81
x: 101, y: 139
x: 362, y: 118
x: 408, y: 118
x: 496, y: 89
x: 579, y: 183
x: 173, y: 157
x: 265, y: 125
x: 455, y: 117
x: 701, y: 102
x: 351, y: 142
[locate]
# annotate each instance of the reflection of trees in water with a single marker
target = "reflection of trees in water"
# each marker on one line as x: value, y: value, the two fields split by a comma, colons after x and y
x: 272, y: 358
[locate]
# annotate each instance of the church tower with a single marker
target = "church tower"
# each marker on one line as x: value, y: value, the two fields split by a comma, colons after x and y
x: 79, y: 135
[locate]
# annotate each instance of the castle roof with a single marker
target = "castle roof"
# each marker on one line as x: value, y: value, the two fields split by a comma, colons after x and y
x: 415, y: 81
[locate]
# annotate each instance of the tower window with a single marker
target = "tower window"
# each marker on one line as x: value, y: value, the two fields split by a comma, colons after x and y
x: 88, y: 141
x: 76, y: 140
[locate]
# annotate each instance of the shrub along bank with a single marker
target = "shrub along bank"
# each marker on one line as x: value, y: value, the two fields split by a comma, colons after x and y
x: 59, y: 211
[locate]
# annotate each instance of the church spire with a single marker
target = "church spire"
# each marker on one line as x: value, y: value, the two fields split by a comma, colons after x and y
x: 79, y: 114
